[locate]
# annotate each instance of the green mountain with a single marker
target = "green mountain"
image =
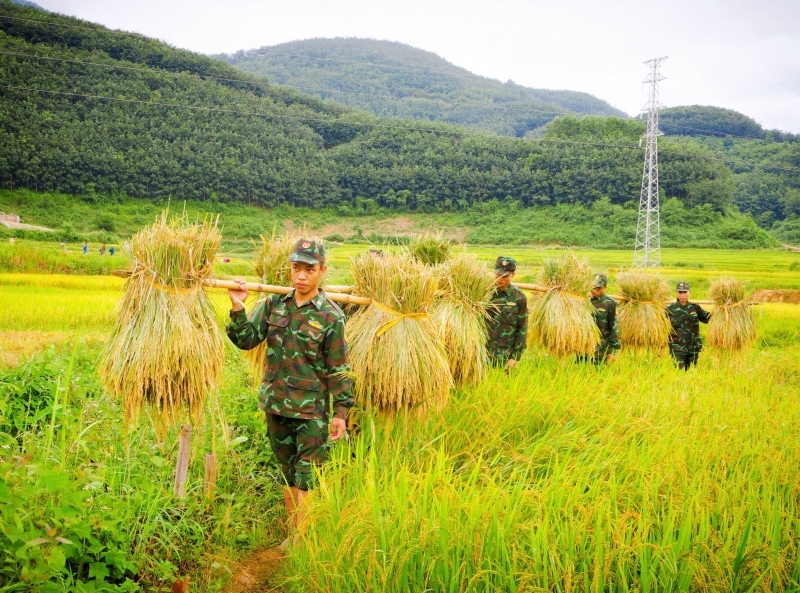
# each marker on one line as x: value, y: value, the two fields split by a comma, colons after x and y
x: 104, y: 115
x: 391, y: 79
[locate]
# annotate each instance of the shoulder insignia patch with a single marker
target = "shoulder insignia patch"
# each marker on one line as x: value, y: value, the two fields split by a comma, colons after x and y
x: 315, y: 324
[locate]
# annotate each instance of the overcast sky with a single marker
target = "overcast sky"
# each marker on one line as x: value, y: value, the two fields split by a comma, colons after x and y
x: 739, y: 54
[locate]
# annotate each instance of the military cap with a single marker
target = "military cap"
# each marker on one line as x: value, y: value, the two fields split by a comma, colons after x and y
x: 308, y: 251
x: 505, y: 265
x: 599, y: 281
x: 683, y: 286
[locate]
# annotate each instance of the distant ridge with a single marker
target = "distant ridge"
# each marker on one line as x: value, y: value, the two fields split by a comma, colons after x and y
x: 29, y: 4
x: 393, y: 79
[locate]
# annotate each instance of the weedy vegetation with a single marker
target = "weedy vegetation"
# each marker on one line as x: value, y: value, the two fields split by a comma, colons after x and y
x: 429, y: 248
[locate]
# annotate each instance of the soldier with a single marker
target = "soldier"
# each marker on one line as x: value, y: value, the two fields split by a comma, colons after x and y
x: 304, y: 375
x: 508, y: 317
x: 685, y: 342
x: 605, y: 316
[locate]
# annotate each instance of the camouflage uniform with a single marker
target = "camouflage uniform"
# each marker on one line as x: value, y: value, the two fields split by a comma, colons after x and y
x: 607, y: 320
x: 685, y: 342
x: 306, y: 353
x: 508, y: 319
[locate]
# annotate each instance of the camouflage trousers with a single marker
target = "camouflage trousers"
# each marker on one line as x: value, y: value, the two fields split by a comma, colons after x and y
x: 683, y: 357
x: 598, y: 358
x: 298, y: 445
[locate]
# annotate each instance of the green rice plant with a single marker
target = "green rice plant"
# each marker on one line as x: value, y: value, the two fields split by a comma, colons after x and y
x: 562, y: 319
x: 460, y: 314
x: 429, y: 248
x: 643, y: 319
x: 733, y: 324
x: 396, y: 353
x: 166, y: 349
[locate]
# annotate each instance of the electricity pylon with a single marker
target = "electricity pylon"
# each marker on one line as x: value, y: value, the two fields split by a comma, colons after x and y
x: 647, y: 252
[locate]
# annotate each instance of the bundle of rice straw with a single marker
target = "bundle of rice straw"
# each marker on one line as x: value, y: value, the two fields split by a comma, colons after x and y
x: 460, y: 314
x: 429, y: 249
x: 166, y: 349
x: 562, y: 319
x: 271, y: 265
x: 643, y: 319
x: 396, y: 355
x: 732, y: 325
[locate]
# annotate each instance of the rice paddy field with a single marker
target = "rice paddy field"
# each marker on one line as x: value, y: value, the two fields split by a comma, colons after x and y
x: 558, y: 477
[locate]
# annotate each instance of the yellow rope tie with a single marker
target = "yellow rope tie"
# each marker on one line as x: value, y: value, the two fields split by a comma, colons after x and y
x: 399, y: 316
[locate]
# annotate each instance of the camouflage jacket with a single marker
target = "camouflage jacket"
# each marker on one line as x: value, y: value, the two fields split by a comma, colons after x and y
x: 605, y: 316
x: 507, y: 324
x: 306, y: 352
x: 686, y: 321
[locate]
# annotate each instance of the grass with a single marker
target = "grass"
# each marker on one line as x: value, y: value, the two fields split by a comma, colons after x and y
x: 566, y: 478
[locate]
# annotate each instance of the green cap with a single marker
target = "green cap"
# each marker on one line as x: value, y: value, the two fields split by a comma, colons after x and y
x: 308, y: 251
x: 599, y: 281
x: 683, y: 286
x: 505, y: 265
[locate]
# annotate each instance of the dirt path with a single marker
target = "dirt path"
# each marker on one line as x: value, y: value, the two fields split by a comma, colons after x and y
x: 257, y: 572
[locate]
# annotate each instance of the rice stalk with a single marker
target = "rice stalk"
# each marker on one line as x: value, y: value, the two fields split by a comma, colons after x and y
x: 166, y: 349
x: 643, y: 318
x: 429, y: 248
x: 271, y: 266
x: 396, y: 355
x: 460, y: 314
x: 732, y: 325
x: 562, y: 319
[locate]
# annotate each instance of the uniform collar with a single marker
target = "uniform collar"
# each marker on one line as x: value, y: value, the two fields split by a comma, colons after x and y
x: 317, y: 301
x: 506, y: 291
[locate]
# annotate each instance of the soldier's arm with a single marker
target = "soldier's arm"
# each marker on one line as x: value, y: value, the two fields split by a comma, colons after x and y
x: 521, y: 341
x: 335, y: 353
x: 248, y: 332
x: 614, y: 343
x: 702, y: 315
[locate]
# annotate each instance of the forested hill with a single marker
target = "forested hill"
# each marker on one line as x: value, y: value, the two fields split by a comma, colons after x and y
x: 396, y: 80
x: 102, y: 115
x: 30, y: 4
x: 700, y: 120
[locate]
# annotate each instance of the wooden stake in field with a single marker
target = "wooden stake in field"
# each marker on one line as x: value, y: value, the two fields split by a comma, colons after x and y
x: 732, y: 325
x: 643, y: 318
x: 460, y: 314
x: 395, y: 352
x: 166, y: 348
x: 562, y: 319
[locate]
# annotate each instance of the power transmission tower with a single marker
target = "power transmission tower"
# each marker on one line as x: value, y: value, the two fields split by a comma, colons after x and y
x: 647, y: 253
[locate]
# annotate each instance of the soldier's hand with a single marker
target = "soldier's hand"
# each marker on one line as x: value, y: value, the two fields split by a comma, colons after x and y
x: 512, y: 363
x: 611, y: 358
x: 660, y: 352
x: 238, y: 297
x: 338, y: 428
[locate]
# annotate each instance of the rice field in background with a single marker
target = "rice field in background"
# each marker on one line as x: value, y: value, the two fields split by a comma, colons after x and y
x: 560, y: 477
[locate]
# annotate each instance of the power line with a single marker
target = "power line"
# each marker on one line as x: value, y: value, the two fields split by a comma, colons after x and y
x: 724, y: 134
x: 269, y: 84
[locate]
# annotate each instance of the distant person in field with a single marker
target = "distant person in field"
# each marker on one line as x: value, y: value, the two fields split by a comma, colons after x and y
x: 304, y: 372
x: 508, y: 317
x: 685, y: 342
x: 103, y: 249
x: 111, y: 250
x: 85, y: 248
x: 605, y: 316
